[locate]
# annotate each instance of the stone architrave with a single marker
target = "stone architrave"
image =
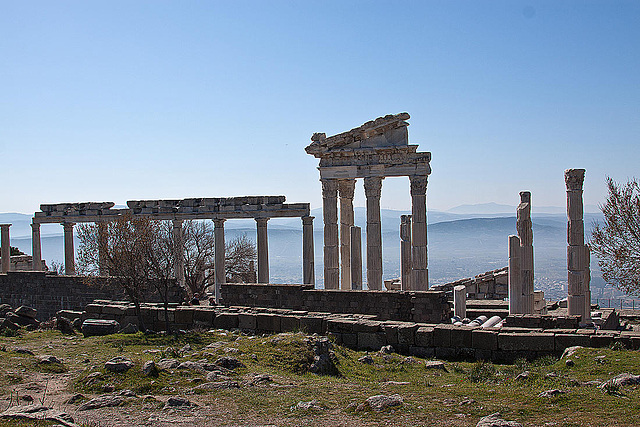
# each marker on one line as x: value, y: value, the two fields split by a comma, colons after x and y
x: 420, y: 273
x: 69, y: 251
x: 5, y: 242
x: 219, y: 248
x: 373, y: 189
x: 263, y: 250
x: 346, y: 188
x: 515, y: 277
x: 406, y: 264
x: 330, y: 216
x: 356, y: 258
x: 308, y: 263
x: 36, y: 247
x: 460, y: 301
x: 524, y: 227
x: 578, y: 257
x: 178, y: 251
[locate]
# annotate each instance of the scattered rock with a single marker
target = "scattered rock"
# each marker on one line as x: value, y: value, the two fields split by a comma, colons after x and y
x: 38, y: 412
x: 467, y: 402
x: 218, y: 385
x: 366, y: 359
x: 4, y: 309
x: 259, y: 379
x: 185, y: 349
x: 26, y: 311
x: 230, y: 363
x: 27, y: 398
x: 47, y: 359
x: 383, y: 402
x: 435, y: 364
x: 20, y: 350
x: 174, y: 402
x: 64, y: 325
x: 168, y: 364
x: 103, y: 401
x: 324, y: 358
x: 569, y: 363
x: 129, y: 329
x: 551, y: 393
x: 522, y: 376
x: 127, y: 393
x: 569, y: 351
x: 311, y: 405
x: 387, y: 349
x: 396, y: 383
x: 217, y: 375
x: 150, y: 369
x: 494, y: 420
x: 622, y: 380
x: 409, y: 360
x: 118, y: 364
x: 74, y: 399
x: 194, y: 366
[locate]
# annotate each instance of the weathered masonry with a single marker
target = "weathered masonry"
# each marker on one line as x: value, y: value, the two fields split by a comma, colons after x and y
x: 260, y: 208
x: 373, y: 151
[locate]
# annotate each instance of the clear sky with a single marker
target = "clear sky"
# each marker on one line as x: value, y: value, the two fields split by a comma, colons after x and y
x: 120, y: 100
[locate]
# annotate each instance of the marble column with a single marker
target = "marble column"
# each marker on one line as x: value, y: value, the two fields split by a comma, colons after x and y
x: 420, y: 273
x: 5, y: 242
x: 219, y: 268
x: 579, y: 293
x: 356, y: 258
x: 308, y: 263
x: 405, y: 252
x: 515, y: 278
x: 460, y: 301
x: 525, y: 234
x: 330, y: 216
x: 178, y: 252
x: 103, y: 246
x: 69, y: 251
x: 263, y: 250
x: 36, y: 247
x: 346, y: 188
x: 373, y: 189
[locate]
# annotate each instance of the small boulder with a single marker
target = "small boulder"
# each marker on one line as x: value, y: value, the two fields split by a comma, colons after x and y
x: 99, y: 327
x: 366, y: 359
x: 551, y: 393
x: 26, y: 311
x: 64, y: 325
x: 150, y: 369
x: 175, y: 401
x: 218, y: 385
x: 47, y: 359
x: 230, y: 363
x: 622, y: 380
x: 570, y: 351
x: 104, y: 401
x: 129, y: 329
x: 21, y: 350
x: 435, y: 364
x: 383, y: 402
x: 494, y: 420
x: 311, y: 405
x: 118, y: 364
x: 168, y: 364
x: 387, y: 349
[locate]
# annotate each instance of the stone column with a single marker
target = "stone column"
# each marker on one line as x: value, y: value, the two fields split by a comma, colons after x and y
x: 346, y: 188
x: 219, y: 270
x: 330, y: 216
x: 460, y: 301
x: 5, y: 242
x: 525, y: 233
x: 356, y: 258
x: 405, y: 252
x: 69, y: 252
x: 178, y: 252
x: 372, y: 189
x: 579, y: 298
x: 515, y: 278
x: 263, y: 250
x: 308, y: 262
x: 103, y: 268
x: 420, y: 273
x: 36, y: 247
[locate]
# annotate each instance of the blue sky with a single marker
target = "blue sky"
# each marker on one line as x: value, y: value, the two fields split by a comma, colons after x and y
x: 119, y: 100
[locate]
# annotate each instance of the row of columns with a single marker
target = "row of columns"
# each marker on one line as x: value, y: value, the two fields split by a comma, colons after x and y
x: 339, y: 253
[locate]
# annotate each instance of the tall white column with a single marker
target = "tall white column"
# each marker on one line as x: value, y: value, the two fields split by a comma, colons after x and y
x: 308, y: 263
x: 460, y: 301
x: 373, y: 189
x: 5, y: 242
x: 405, y: 252
x: 420, y: 273
x: 579, y: 292
x: 515, y: 277
x: 69, y: 252
x: 263, y: 250
x: 36, y: 247
x: 525, y: 233
x: 219, y: 267
x: 178, y: 252
x: 346, y: 188
x: 356, y: 258
x: 330, y: 216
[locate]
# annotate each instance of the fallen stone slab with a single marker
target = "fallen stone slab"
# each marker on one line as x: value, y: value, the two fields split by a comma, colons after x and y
x: 168, y: 364
x: 435, y: 364
x: 38, y: 412
x: 230, y: 363
x: 47, y: 359
x: 118, y: 364
x: 551, y: 393
x: 383, y: 402
x: 311, y: 405
x: 27, y: 311
x: 218, y: 385
x: 175, y: 401
x: 99, y: 327
x: 104, y: 401
x: 622, y: 380
x: 494, y: 420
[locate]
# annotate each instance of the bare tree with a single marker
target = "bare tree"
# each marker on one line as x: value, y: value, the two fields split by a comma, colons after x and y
x: 616, y: 243
x: 199, y: 251
x: 240, y: 256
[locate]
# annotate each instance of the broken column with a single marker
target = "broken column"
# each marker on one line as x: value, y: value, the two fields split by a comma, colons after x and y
x: 460, y: 301
x: 178, y: 251
x: 5, y: 242
x: 36, y: 247
x: 579, y: 293
x: 372, y: 189
x: 356, y: 258
x: 525, y: 234
x: 69, y: 252
x: 263, y: 250
x: 330, y: 216
x: 219, y: 268
x: 515, y: 278
x: 346, y: 189
x: 405, y: 252
x: 420, y: 273
x: 308, y: 264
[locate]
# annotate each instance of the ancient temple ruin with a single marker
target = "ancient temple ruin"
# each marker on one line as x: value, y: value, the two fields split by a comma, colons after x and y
x: 379, y: 148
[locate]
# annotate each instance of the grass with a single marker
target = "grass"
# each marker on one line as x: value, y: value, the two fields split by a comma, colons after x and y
x: 459, y: 396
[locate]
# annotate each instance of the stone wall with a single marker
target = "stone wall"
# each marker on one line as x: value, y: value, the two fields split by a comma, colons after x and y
x: 48, y: 292
x: 427, y: 306
x: 490, y: 285
x: 366, y: 332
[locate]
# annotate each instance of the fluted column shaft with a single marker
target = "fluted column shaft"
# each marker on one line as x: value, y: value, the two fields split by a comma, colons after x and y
x: 178, y: 251
x: 219, y: 267
x: 36, y: 247
x: 356, y: 258
x: 515, y: 277
x: 5, y: 242
x: 420, y: 273
x: 330, y: 216
x: 263, y: 250
x: 346, y: 189
x: 308, y: 263
x: 405, y: 252
x: 373, y: 189
x: 69, y: 251
x: 525, y: 234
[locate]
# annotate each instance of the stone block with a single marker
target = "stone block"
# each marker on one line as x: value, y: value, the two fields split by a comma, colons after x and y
x: 289, y: 323
x: 247, y: 321
x: 482, y: 339
x: 563, y: 341
x: 484, y: 354
x: 96, y: 327
x: 183, y: 316
x: 424, y: 336
x: 371, y: 340
x: 226, y: 321
x: 526, y: 342
x: 204, y: 316
x: 407, y: 334
x: 367, y: 326
x: 340, y: 326
x: 312, y: 324
x: 268, y: 322
x: 27, y: 311
x: 391, y: 331
x: 93, y: 308
x: 442, y: 335
x: 114, y: 310
x: 461, y: 337
x: 350, y: 340
x: 425, y: 352
x: 600, y: 340
x: 446, y: 353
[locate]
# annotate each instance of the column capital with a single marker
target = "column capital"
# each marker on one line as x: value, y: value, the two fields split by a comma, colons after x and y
x: 262, y: 222
x: 574, y: 179
x: 35, y: 226
x: 346, y: 187
x: 308, y: 220
x: 373, y: 186
x: 68, y: 226
x: 5, y: 226
x: 177, y: 223
x: 218, y: 222
x: 329, y: 187
x: 418, y: 184
x: 525, y: 197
